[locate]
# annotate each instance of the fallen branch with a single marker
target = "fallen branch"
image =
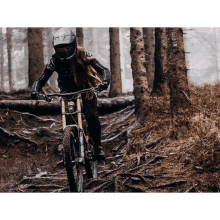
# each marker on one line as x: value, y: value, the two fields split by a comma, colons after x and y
x: 117, y: 148
x: 31, y: 186
x: 191, y: 189
x: 135, y: 188
x: 105, y: 187
x: 126, y: 180
x: 99, y: 187
x: 126, y: 132
x: 172, y: 184
x: 116, y: 183
x: 154, y: 142
x: 116, y: 121
x: 61, y: 190
x: 156, y: 158
x: 112, y: 171
x: 93, y: 181
x: 41, y: 107
x: 134, y: 169
x: 15, y: 137
x: 117, y: 156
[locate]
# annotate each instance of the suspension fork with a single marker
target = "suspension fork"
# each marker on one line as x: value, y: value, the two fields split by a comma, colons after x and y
x: 63, y: 111
x: 80, y: 124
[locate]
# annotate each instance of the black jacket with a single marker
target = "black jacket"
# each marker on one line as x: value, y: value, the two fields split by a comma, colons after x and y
x: 65, y: 77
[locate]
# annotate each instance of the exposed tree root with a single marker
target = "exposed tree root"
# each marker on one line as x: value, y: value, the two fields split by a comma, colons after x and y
x: 156, y: 158
x: 191, y: 189
x: 116, y: 183
x: 102, y: 185
x: 111, y: 171
x: 135, y: 188
x: 172, y: 184
x: 154, y: 142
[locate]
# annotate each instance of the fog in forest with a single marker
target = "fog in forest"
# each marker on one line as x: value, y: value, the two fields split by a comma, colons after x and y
x: 201, y: 45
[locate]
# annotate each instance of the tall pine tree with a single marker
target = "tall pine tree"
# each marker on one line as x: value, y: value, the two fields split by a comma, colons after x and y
x: 116, y: 84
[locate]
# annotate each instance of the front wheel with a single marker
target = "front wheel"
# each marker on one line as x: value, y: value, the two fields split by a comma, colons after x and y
x: 68, y: 147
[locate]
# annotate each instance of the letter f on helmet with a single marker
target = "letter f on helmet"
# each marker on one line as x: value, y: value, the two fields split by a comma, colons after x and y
x: 63, y: 36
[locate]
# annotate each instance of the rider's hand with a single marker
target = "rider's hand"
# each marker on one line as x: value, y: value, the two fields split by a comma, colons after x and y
x: 35, y: 95
x: 103, y: 86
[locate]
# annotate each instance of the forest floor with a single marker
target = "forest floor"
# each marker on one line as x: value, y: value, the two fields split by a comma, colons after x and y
x: 145, y: 160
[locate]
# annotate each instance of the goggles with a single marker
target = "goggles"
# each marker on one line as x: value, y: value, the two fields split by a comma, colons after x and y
x: 64, y: 51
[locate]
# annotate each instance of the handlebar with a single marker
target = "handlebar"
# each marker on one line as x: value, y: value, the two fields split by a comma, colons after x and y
x: 49, y: 99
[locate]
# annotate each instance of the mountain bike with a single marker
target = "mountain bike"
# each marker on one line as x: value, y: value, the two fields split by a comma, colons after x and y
x: 77, y: 146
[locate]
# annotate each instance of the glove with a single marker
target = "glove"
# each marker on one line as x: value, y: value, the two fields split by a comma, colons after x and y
x: 103, y: 86
x: 35, y: 95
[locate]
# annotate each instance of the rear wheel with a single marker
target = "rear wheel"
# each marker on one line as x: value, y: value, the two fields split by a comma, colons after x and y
x: 88, y: 166
x: 80, y: 177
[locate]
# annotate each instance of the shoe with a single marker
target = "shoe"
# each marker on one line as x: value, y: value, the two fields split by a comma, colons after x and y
x: 99, y: 153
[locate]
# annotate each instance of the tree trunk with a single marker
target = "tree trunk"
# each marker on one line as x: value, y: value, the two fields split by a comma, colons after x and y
x: 9, y: 48
x: 140, y: 81
x: 116, y: 84
x: 36, y: 58
x: 79, y: 34
x: 161, y: 78
x: 179, y: 102
x: 95, y: 42
x: 2, y: 60
x: 149, y: 47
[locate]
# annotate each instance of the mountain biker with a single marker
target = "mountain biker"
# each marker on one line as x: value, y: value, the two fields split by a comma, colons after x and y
x: 77, y: 69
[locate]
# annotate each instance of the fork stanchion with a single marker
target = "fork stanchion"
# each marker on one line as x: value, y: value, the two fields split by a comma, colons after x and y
x: 63, y: 114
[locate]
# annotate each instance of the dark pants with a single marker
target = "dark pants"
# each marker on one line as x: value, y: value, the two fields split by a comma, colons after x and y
x: 92, y: 117
x: 91, y: 114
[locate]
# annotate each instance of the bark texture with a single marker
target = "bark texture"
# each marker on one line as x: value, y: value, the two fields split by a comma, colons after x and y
x: 178, y: 83
x: 9, y: 48
x: 53, y: 79
x: 36, y: 59
x: 79, y: 34
x: 161, y: 78
x: 1, y: 61
x: 178, y: 74
x: 140, y: 81
x: 116, y: 84
x: 149, y: 46
x: 105, y: 106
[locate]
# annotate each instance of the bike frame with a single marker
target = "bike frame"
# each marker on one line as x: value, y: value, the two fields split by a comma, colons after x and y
x: 79, y: 125
x: 75, y: 101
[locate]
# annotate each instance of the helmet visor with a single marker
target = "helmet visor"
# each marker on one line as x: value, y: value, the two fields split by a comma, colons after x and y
x: 64, y: 51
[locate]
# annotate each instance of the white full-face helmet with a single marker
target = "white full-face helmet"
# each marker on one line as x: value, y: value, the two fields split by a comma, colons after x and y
x: 64, y: 43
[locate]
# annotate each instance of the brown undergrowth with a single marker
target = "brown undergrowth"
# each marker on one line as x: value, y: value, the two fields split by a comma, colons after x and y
x: 195, y: 156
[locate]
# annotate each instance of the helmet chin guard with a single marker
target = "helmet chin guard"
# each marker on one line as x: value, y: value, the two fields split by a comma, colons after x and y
x: 70, y: 58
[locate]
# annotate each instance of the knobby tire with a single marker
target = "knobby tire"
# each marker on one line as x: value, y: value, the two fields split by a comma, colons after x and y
x: 68, y: 145
x: 89, y: 171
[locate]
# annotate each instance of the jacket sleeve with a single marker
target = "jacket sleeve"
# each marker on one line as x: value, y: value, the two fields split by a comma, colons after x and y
x: 48, y: 71
x: 100, y: 68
